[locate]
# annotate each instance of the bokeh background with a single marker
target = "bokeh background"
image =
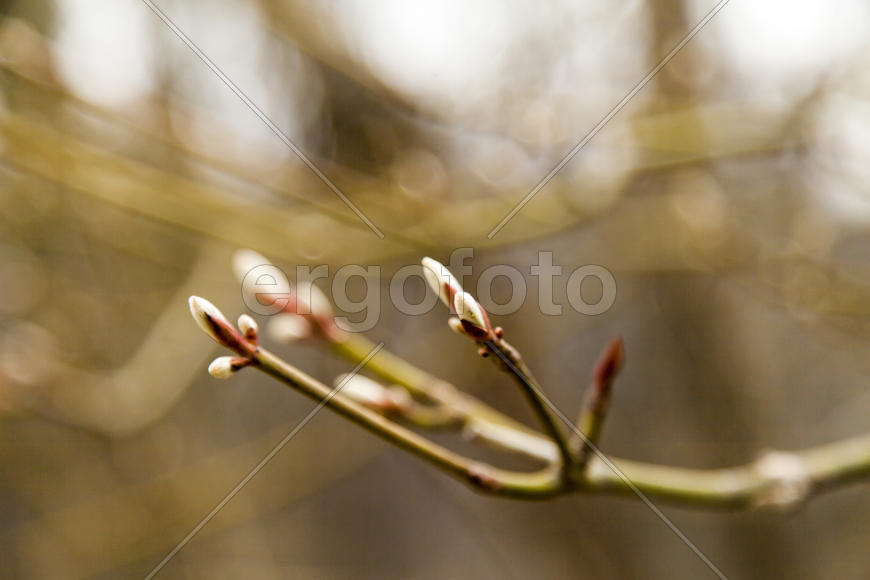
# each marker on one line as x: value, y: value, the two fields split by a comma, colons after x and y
x: 729, y: 199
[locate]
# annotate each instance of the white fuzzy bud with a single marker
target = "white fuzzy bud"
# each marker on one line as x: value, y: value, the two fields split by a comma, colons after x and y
x: 471, y: 312
x: 286, y: 327
x: 202, y: 310
x: 245, y: 260
x: 222, y: 367
x: 310, y: 299
x: 441, y: 281
x: 248, y: 326
x: 363, y: 390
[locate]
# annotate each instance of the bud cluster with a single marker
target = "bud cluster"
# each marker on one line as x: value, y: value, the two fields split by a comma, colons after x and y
x: 215, y: 324
x: 471, y: 319
x: 297, y: 311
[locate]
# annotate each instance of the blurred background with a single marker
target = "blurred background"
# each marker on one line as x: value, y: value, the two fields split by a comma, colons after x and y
x: 729, y: 199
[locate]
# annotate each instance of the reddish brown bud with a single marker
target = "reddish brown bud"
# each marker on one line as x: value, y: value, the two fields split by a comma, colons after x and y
x: 609, y: 363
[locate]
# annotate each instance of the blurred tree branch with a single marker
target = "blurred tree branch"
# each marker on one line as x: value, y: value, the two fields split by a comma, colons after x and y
x: 141, y: 391
x: 663, y: 141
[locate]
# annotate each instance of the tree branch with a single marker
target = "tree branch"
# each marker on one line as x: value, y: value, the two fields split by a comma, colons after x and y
x: 778, y: 479
x: 476, y: 419
x: 482, y: 476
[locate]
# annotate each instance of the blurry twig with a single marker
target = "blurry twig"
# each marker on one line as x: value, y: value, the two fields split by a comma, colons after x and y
x: 663, y: 141
x: 607, y: 118
x: 124, y: 400
x: 262, y: 116
x: 158, y: 194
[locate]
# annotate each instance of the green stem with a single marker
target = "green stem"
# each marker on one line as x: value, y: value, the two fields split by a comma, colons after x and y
x: 748, y: 486
x: 821, y: 468
x: 482, y: 476
x: 393, y: 369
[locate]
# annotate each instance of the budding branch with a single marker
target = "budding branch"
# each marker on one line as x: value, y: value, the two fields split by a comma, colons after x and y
x: 568, y: 464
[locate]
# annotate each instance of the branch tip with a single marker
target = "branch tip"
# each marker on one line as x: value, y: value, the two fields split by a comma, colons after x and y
x: 609, y: 364
x: 597, y: 400
x: 215, y: 324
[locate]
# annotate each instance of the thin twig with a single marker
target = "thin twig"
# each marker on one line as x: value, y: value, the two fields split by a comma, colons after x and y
x: 482, y: 476
x: 597, y: 401
x: 512, y: 362
x: 478, y: 419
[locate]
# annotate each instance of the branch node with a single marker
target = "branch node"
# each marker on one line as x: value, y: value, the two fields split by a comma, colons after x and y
x: 786, y: 482
x: 481, y: 476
